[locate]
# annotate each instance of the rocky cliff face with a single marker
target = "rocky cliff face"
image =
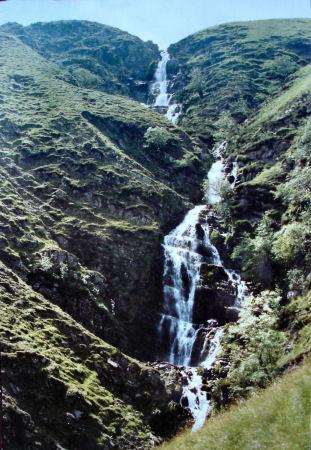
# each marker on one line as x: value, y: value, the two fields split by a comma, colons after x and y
x: 66, y: 388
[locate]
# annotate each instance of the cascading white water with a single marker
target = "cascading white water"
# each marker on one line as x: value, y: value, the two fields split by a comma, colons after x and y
x: 197, y: 400
x: 160, y: 85
x: 163, y: 100
x: 214, y: 346
x: 234, y: 173
x: 181, y: 277
x: 215, y: 176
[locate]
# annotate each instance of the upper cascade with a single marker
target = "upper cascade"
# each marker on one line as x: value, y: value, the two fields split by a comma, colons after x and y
x: 159, y: 90
x: 160, y: 85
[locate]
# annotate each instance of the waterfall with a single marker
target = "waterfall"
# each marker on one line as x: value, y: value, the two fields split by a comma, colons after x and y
x: 197, y: 400
x: 181, y: 276
x: 214, y: 349
x: 183, y: 258
x: 215, y: 176
x: 160, y: 85
x: 159, y: 89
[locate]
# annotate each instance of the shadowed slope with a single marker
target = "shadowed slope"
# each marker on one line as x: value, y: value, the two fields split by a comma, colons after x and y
x: 84, y: 202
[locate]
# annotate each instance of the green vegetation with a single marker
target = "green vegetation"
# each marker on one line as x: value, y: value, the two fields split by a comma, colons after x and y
x: 93, y: 55
x: 90, y: 183
x: 255, y: 252
x: 297, y: 318
x: 157, y: 137
x: 276, y: 418
x: 253, y: 347
x: 66, y: 387
x: 268, y: 221
x: 279, y: 233
x: 234, y: 68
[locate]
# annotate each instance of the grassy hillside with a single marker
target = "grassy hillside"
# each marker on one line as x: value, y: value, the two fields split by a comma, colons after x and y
x: 77, y: 173
x: 231, y: 69
x: 267, y: 218
x: 66, y: 388
x: 274, y: 157
x: 93, y: 55
x: 273, y: 419
x: 85, y: 200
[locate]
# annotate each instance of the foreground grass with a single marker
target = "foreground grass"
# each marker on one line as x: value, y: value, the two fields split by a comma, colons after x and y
x: 278, y: 418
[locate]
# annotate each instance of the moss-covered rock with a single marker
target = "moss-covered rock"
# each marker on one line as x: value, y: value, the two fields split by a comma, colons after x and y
x: 78, y: 182
x: 93, y: 55
x: 65, y: 387
x: 227, y: 71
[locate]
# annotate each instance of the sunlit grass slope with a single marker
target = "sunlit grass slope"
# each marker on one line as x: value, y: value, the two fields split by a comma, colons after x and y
x: 274, y: 419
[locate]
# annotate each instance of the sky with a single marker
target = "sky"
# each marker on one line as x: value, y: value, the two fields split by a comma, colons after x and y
x: 162, y: 21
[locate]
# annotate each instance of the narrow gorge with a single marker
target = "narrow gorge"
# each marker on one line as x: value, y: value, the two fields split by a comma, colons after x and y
x: 155, y: 237
x: 190, y: 328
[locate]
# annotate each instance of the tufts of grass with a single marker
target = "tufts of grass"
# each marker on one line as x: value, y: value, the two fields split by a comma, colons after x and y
x: 275, y: 419
x: 236, y: 67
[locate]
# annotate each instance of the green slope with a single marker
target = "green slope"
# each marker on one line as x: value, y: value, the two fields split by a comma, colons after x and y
x: 273, y: 194
x: 76, y: 174
x: 93, y: 55
x: 267, y: 218
x: 233, y: 68
x: 66, y: 388
x: 278, y: 418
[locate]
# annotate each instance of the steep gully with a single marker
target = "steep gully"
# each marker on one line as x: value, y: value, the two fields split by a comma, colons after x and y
x: 182, y: 276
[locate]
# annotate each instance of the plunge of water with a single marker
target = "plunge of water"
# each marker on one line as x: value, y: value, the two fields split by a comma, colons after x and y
x: 182, y: 263
x: 159, y: 89
x: 182, y: 266
x: 160, y: 85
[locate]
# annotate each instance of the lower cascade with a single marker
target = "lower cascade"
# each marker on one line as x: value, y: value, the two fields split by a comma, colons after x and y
x: 191, y: 340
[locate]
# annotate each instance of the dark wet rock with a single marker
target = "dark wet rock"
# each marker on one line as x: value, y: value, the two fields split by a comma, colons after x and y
x: 185, y: 402
x: 185, y: 280
x: 205, y: 251
x: 231, y: 179
x: 211, y: 274
x: 199, y: 231
x: 232, y: 314
x: 213, y: 295
x: 198, y: 346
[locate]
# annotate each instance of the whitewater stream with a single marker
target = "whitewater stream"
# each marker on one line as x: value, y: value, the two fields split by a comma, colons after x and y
x: 181, y: 278
x: 183, y: 258
x: 159, y: 89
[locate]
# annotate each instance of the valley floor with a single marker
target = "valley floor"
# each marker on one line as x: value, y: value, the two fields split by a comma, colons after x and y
x: 274, y: 419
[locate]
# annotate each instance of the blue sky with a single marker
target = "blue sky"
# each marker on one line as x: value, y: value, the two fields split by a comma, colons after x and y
x: 163, y: 21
